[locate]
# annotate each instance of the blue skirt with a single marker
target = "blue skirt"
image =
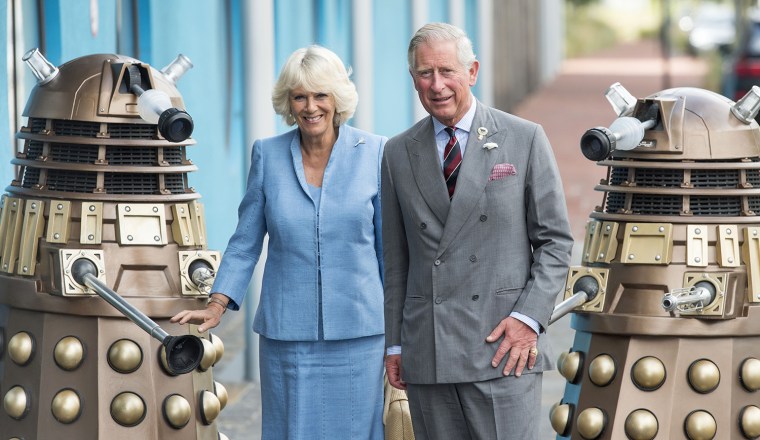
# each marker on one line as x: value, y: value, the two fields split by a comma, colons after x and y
x: 328, y: 390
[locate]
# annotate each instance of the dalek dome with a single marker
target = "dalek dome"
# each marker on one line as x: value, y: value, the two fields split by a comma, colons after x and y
x: 105, y: 127
x: 695, y: 124
x: 94, y: 88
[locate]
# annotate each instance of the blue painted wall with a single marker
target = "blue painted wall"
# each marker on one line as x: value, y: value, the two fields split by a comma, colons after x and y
x: 201, y: 32
x: 438, y: 10
x: 333, y: 27
x: 6, y: 133
x: 393, y: 84
x: 471, y: 27
x: 70, y: 33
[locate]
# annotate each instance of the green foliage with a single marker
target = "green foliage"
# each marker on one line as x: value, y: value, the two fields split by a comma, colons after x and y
x: 585, y: 32
x: 714, y: 71
x: 581, y: 2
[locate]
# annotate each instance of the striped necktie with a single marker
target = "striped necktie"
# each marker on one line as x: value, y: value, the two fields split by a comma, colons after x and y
x: 452, y: 158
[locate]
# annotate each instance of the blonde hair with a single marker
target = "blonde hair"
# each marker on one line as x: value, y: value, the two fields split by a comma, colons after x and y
x: 442, y: 32
x: 315, y: 69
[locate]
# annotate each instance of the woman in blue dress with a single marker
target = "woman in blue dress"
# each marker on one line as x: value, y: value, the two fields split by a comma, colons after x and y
x: 315, y: 191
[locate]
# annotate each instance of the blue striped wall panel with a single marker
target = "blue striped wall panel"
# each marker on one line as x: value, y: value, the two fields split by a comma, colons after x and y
x: 236, y: 124
x: 29, y: 37
x: 333, y: 27
x: 144, y: 31
x: 199, y: 30
x: 393, y: 84
x: 74, y: 29
x: 294, y: 27
x: 295, y: 23
x: 471, y: 27
x: 7, y: 143
x: 438, y: 11
x: 125, y: 41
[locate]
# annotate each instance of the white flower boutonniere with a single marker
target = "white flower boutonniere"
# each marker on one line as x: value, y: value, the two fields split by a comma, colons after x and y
x: 482, y: 131
x: 490, y: 145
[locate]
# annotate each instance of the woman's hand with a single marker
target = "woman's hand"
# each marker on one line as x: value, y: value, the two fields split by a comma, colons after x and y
x: 208, y: 318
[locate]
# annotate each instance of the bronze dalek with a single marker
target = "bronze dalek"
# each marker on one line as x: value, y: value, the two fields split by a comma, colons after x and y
x: 99, y: 225
x: 666, y: 301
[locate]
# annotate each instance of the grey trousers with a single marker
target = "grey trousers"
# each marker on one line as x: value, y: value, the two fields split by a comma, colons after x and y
x: 507, y: 408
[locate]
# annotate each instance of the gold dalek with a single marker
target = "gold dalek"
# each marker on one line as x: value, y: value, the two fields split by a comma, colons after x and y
x: 666, y: 301
x: 101, y: 204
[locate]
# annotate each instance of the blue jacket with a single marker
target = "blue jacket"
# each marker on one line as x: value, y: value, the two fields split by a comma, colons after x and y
x: 342, y: 238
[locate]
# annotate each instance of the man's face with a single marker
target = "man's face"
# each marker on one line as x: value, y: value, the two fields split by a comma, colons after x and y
x: 442, y: 82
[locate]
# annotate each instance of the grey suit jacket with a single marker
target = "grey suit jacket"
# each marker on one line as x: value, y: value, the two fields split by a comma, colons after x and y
x: 454, y: 270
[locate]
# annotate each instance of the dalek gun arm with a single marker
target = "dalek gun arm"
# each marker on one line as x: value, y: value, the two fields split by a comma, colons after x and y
x: 584, y: 290
x: 183, y: 353
x: 689, y: 299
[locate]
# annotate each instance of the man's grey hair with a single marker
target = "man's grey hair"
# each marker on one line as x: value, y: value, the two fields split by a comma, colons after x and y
x: 442, y: 32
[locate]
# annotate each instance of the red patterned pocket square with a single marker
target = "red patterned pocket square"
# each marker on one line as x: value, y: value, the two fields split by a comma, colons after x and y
x: 502, y: 170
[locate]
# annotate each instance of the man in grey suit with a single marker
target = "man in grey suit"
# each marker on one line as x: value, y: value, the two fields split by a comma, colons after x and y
x: 476, y: 245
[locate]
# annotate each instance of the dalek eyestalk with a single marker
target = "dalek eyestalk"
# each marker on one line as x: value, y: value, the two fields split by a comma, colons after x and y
x: 155, y: 107
x: 624, y: 134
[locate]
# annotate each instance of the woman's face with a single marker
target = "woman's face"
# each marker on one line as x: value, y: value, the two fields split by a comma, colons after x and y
x: 314, y: 112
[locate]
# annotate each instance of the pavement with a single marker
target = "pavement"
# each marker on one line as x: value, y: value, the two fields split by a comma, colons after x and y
x: 566, y: 107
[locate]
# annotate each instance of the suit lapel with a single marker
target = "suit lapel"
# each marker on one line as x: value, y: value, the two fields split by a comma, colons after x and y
x: 473, y: 176
x: 427, y: 171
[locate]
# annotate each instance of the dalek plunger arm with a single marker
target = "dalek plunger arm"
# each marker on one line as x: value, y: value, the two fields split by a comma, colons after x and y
x: 584, y: 290
x: 183, y: 353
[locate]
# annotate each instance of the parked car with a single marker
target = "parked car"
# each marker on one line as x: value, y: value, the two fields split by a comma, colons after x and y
x: 711, y: 27
x: 744, y: 65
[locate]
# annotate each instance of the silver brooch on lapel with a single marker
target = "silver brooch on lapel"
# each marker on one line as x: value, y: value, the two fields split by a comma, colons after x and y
x: 482, y: 132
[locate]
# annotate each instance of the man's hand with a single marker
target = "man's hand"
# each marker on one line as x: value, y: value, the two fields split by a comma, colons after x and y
x: 393, y: 370
x: 519, y: 338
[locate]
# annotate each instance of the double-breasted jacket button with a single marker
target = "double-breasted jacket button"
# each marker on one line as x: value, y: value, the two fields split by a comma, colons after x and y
x: 473, y: 258
x: 437, y: 262
x: 483, y: 217
x: 475, y: 297
x: 423, y: 225
x: 438, y: 300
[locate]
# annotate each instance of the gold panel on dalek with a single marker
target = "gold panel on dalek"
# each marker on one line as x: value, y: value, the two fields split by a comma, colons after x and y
x: 666, y: 301
x: 102, y: 240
